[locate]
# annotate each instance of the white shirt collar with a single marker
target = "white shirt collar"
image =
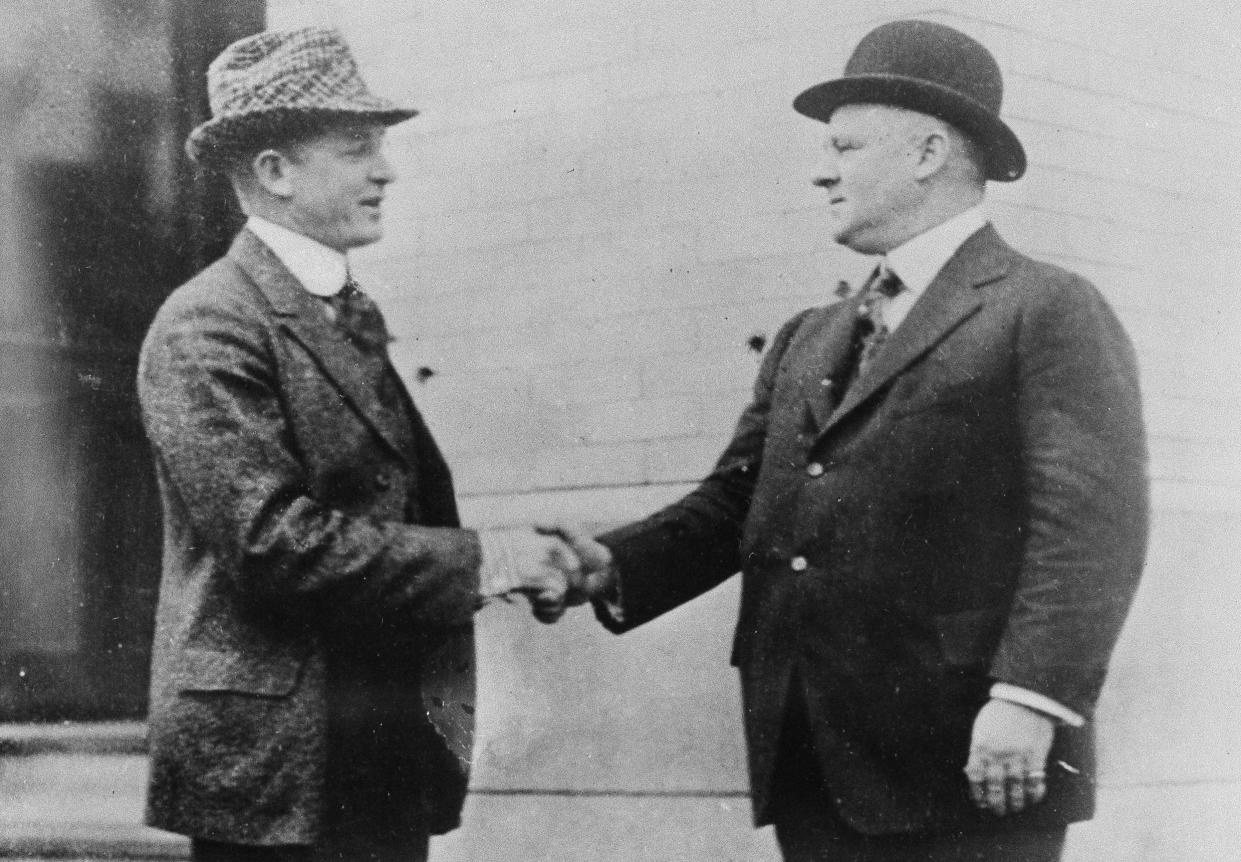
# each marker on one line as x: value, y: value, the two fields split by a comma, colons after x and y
x: 321, y: 270
x: 920, y: 259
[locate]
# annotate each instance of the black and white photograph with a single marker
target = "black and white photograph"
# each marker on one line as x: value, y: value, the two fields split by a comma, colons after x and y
x: 626, y: 431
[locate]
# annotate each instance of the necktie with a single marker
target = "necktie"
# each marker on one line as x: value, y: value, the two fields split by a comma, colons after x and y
x: 883, y: 285
x: 359, y: 316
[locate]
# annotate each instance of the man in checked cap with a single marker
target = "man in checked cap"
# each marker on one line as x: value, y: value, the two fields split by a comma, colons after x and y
x: 936, y: 499
x: 312, y: 691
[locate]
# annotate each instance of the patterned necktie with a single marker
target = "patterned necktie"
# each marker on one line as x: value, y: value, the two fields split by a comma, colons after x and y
x: 883, y: 285
x: 359, y: 316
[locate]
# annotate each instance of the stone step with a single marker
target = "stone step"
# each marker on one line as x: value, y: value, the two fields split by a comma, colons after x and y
x: 76, y: 791
x: 66, y: 805
x: 68, y: 798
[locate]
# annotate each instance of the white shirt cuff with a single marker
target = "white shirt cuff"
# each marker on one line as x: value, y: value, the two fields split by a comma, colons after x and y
x: 1036, y: 701
x: 610, y: 600
x: 614, y: 610
x: 498, y: 573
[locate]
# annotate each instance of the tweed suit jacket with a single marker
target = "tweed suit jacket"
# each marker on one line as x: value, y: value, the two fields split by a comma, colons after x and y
x: 314, y: 640
x: 973, y: 509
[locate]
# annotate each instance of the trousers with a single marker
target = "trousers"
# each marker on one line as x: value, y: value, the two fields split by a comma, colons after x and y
x: 338, y: 849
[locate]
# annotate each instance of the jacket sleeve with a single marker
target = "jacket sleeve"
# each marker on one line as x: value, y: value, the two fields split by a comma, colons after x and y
x: 224, y: 447
x: 693, y: 545
x: 1086, y: 489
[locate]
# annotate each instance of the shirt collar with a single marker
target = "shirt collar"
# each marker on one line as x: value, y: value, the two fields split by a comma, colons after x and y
x: 920, y: 259
x: 321, y: 270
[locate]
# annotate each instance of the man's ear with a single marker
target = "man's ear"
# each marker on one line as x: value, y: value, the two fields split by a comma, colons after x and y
x: 932, y: 153
x: 271, y: 168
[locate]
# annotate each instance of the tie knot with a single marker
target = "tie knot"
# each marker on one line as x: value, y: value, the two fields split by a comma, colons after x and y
x: 350, y: 288
x: 882, y: 285
x: 359, y: 316
x: 888, y: 283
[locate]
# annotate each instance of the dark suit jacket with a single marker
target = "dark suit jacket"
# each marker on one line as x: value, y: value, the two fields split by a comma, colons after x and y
x: 317, y: 595
x: 981, y: 515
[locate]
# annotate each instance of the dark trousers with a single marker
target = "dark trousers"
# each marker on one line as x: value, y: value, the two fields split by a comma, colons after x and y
x: 815, y: 834
x: 809, y: 829
x: 358, y: 848
x: 202, y: 850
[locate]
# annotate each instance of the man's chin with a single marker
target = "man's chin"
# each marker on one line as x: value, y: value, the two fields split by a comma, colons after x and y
x: 857, y: 240
x: 367, y: 237
x: 843, y: 236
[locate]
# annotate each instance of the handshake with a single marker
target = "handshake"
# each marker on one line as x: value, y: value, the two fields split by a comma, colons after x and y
x: 555, y: 566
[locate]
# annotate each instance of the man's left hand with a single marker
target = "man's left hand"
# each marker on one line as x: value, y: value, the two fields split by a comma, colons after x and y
x: 1008, y: 757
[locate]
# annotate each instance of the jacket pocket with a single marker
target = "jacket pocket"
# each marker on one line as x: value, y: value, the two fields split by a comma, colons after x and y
x: 969, y: 638
x: 943, y: 402
x: 212, y: 670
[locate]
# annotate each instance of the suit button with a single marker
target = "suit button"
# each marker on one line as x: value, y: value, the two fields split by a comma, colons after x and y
x: 798, y: 564
x: 815, y: 470
x: 383, y: 481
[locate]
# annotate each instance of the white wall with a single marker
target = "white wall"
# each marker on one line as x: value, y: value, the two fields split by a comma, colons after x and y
x: 601, y: 203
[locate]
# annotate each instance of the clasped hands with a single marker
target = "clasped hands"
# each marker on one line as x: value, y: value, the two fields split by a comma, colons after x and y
x: 557, y: 566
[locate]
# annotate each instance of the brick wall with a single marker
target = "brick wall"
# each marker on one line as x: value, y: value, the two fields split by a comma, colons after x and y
x: 603, y: 202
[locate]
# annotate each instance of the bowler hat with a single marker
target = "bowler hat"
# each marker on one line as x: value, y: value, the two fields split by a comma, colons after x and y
x: 281, y: 83
x: 932, y: 69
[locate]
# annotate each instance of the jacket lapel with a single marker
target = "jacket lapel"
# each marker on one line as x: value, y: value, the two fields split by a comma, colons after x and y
x: 302, y: 316
x: 949, y: 299
x: 833, y: 341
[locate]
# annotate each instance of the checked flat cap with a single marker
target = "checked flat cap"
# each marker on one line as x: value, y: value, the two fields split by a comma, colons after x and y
x: 281, y: 82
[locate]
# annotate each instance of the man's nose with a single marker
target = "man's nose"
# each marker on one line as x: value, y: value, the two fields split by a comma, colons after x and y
x: 382, y: 170
x: 826, y: 176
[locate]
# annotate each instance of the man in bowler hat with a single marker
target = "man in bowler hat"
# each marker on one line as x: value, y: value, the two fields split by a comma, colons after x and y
x: 937, y: 499
x: 312, y: 684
